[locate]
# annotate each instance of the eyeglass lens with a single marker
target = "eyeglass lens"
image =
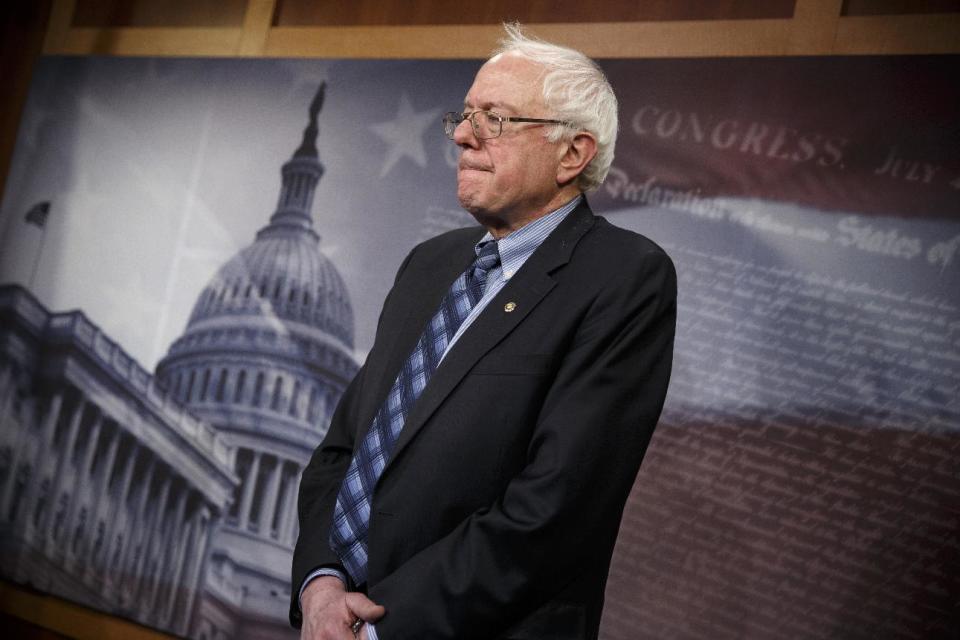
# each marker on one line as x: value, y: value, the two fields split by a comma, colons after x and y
x: 485, y: 124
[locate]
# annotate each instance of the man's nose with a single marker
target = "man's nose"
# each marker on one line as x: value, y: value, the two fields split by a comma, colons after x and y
x: 463, y: 135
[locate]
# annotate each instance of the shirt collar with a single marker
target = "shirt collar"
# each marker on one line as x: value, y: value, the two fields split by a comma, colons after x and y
x: 517, y: 246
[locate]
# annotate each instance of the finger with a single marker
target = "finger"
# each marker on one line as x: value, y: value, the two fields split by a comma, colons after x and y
x: 364, y: 608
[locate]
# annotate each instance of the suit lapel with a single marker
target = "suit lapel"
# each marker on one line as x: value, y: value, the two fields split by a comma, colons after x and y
x: 416, y: 308
x: 530, y: 284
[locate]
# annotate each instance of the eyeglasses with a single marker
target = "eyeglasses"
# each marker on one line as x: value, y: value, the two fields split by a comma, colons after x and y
x: 486, y: 124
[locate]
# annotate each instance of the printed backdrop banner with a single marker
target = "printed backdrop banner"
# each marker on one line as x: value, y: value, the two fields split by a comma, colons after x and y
x: 193, y: 254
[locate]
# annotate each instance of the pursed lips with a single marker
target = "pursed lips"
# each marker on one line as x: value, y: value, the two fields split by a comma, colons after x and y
x: 467, y: 166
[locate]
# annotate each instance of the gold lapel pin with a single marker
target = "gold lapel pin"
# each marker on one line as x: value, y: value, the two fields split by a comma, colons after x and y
x: 510, y: 306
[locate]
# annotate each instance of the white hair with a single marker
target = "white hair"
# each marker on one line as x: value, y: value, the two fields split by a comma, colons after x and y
x: 576, y: 91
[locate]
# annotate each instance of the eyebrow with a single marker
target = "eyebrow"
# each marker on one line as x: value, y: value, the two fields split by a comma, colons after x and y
x: 485, y: 106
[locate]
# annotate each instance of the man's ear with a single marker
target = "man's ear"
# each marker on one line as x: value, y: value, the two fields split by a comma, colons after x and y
x: 579, y: 152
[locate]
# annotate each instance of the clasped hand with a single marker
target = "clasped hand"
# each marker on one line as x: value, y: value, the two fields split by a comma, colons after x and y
x: 329, y: 610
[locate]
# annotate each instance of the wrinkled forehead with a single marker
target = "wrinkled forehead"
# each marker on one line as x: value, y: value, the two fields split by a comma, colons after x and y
x: 508, y: 82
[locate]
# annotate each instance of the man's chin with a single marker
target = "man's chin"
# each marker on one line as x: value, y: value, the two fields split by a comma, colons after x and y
x: 470, y: 206
x: 473, y: 207
x: 468, y: 197
x: 482, y: 215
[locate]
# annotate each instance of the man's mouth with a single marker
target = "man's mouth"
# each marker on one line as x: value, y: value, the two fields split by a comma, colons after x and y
x: 467, y: 166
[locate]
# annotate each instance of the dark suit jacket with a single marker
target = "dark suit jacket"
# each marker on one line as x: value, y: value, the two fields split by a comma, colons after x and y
x: 497, y: 515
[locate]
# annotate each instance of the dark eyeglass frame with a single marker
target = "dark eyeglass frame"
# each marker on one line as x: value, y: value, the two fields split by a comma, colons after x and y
x: 452, y: 119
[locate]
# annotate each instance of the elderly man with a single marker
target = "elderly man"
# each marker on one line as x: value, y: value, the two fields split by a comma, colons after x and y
x: 472, y: 481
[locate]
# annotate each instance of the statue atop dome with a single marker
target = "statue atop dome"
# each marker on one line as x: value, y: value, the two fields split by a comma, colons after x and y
x: 301, y: 173
x: 308, y: 148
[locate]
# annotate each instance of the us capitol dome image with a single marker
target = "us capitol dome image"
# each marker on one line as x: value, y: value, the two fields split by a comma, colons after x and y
x: 266, y: 354
x: 170, y: 499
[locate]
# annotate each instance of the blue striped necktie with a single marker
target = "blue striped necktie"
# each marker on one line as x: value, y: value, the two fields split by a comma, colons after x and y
x: 351, y: 518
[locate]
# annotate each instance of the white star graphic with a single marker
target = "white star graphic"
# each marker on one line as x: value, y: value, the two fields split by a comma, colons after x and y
x: 404, y: 134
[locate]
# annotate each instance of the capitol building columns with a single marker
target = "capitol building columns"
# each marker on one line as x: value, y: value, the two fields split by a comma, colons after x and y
x: 149, y: 566
x: 170, y: 547
x: 138, y: 531
x: 106, y: 488
x: 112, y: 549
x: 271, y: 499
x: 267, y: 505
x: 37, y: 494
x: 246, y: 504
x: 98, y: 523
x: 196, y: 561
x: 16, y: 455
x: 79, y: 513
x: 184, y: 553
x: 50, y: 527
x: 288, y: 505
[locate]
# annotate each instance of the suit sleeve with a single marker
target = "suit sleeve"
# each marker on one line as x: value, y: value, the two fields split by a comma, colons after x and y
x: 320, y: 483
x: 560, y: 516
